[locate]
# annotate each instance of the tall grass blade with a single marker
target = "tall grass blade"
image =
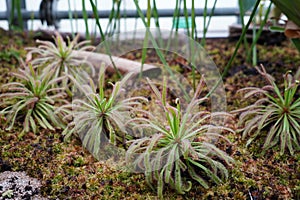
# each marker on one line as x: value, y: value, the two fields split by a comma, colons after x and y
x: 227, y: 67
x: 95, y: 12
x: 204, y: 22
x: 85, y: 18
x: 145, y: 43
x: 193, y: 33
x: 158, y: 51
x: 20, y: 18
x: 257, y: 35
x: 71, y: 18
x: 175, y: 24
x: 186, y: 16
x: 12, y: 14
x: 206, y: 25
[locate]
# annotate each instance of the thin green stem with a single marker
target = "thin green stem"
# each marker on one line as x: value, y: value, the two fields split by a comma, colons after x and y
x: 158, y: 51
x: 227, y: 67
x: 20, y: 18
x: 174, y: 20
x: 242, y: 15
x: 95, y: 12
x: 108, y: 30
x: 156, y: 19
x: 71, y: 18
x: 145, y: 43
x: 203, y: 40
x: 85, y: 18
x: 255, y: 39
x: 253, y: 13
x: 186, y: 16
x: 12, y: 14
x: 192, y: 44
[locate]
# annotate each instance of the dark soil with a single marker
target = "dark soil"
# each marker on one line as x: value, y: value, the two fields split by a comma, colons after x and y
x: 67, y: 171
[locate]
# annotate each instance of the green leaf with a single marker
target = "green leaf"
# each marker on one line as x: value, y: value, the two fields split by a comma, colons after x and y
x: 290, y: 9
x: 296, y: 42
x: 277, y: 29
x: 246, y: 5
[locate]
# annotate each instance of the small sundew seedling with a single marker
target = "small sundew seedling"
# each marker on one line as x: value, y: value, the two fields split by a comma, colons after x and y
x: 32, y: 100
x: 181, y: 148
x: 59, y: 57
x: 99, y: 119
x: 276, y: 112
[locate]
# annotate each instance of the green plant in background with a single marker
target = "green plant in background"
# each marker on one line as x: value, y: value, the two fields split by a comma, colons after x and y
x: 103, y: 36
x: 263, y: 16
x: 7, y: 55
x: 260, y: 19
x: 15, y: 9
x: 96, y: 118
x: 70, y: 14
x: 205, y: 21
x: 59, y: 56
x: 85, y: 18
x: 277, y: 113
x: 291, y: 10
x: 33, y: 100
x: 182, y: 147
x: 114, y: 19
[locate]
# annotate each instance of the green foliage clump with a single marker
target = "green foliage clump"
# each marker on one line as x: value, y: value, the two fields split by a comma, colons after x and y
x: 182, y: 147
x: 61, y: 56
x: 277, y: 113
x: 33, y: 100
x: 99, y: 120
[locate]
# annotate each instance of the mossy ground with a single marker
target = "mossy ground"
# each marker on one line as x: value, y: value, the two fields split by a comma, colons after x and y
x: 68, y: 171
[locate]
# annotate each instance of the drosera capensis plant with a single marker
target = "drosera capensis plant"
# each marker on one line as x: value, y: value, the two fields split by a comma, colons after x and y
x: 182, y: 146
x: 59, y: 55
x: 33, y: 100
x: 98, y: 118
x: 276, y: 113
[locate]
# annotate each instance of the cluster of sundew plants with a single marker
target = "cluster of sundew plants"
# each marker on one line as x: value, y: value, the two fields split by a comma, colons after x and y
x: 43, y: 85
x: 185, y: 138
x: 39, y: 100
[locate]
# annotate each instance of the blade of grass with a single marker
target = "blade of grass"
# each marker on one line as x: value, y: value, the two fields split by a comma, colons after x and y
x: 145, y: 43
x: 192, y: 45
x: 204, y: 22
x: 186, y: 16
x: 257, y: 35
x: 193, y: 31
x: 117, y: 18
x: 113, y: 18
x: 31, y: 20
x: 227, y: 67
x: 242, y: 15
x: 158, y: 51
x: 95, y: 12
x: 85, y: 18
x: 156, y: 19
x: 175, y: 19
x: 12, y: 14
x: 71, y: 18
x: 205, y: 28
x: 20, y: 18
